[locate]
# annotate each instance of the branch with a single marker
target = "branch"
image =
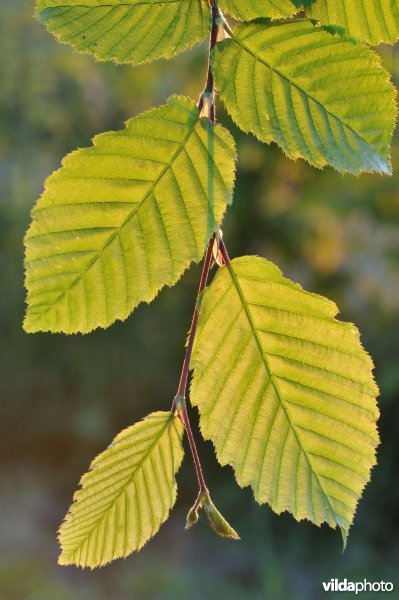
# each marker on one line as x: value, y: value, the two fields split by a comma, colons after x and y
x: 216, y: 253
x: 206, y: 105
x: 181, y: 391
x: 223, y: 252
x: 209, y: 89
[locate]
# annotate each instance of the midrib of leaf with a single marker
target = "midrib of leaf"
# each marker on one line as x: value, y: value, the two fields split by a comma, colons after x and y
x: 123, y: 490
x: 244, y: 303
x: 118, y: 229
x: 301, y: 90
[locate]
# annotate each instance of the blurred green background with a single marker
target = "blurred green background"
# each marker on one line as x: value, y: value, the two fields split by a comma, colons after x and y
x: 64, y: 398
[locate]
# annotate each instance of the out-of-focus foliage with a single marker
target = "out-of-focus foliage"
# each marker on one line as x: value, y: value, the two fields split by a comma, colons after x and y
x: 63, y: 398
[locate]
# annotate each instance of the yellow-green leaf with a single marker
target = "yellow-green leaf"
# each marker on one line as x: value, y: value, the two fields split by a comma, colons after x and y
x: 246, y: 10
x: 127, y: 494
x: 285, y: 392
x: 319, y: 96
x: 124, y: 218
x: 127, y: 30
x: 374, y: 21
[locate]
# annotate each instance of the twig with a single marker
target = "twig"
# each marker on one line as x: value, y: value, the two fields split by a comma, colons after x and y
x: 223, y: 252
x: 179, y: 403
x: 181, y: 391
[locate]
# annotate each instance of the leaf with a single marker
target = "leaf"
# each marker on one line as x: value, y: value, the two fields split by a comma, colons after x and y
x: 216, y: 520
x: 374, y: 21
x: 125, y: 217
x: 285, y: 392
x: 127, y: 30
x: 252, y: 9
x: 126, y: 495
x: 319, y: 96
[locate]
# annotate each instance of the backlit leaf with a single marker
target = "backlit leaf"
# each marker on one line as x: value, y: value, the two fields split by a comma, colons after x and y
x: 252, y: 9
x: 126, y: 495
x: 124, y: 218
x: 285, y: 392
x: 127, y: 30
x: 374, y: 21
x: 319, y: 96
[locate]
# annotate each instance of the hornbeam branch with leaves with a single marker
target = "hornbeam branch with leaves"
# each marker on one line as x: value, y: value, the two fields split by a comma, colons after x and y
x: 285, y: 391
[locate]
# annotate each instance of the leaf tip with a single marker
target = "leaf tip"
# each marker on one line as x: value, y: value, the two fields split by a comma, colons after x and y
x: 345, y: 534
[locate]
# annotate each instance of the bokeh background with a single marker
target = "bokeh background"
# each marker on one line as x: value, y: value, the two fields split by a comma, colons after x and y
x: 64, y: 398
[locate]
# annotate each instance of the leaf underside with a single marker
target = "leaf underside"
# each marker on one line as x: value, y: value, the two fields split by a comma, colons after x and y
x: 252, y: 9
x: 374, y: 21
x: 126, y: 495
x: 126, y: 217
x: 285, y: 392
x: 127, y: 30
x: 319, y: 96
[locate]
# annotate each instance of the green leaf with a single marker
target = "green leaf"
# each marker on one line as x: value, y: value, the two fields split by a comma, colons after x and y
x: 125, y: 217
x: 319, y: 96
x: 126, y: 495
x: 127, y: 30
x: 246, y: 10
x: 374, y: 21
x: 285, y: 392
x: 214, y: 516
x: 217, y: 520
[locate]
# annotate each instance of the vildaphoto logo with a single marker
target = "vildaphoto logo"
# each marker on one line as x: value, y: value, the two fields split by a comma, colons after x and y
x: 335, y: 585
